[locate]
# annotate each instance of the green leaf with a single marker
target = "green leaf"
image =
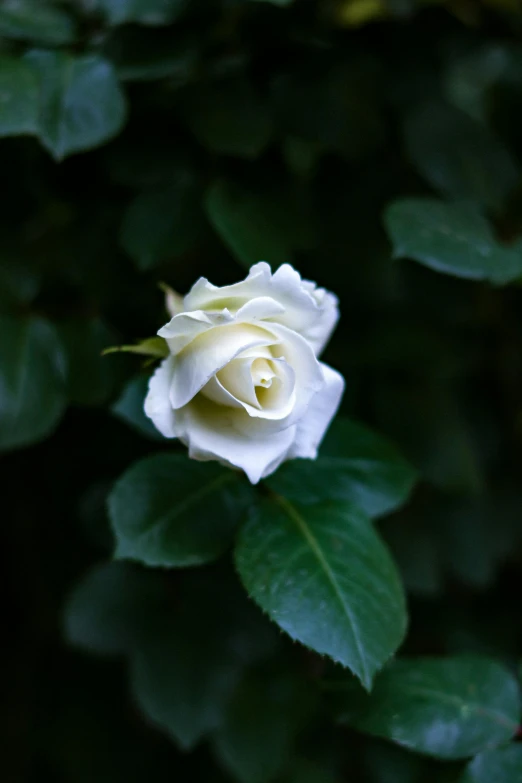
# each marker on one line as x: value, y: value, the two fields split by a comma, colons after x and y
x: 241, y: 220
x: 31, y: 381
x: 161, y: 224
x: 27, y: 20
x: 18, y: 98
x: 90, y: 378
x: 167, y: 510
x: 129, y: 408
x: 495, y: 766
x: 355, y: 465
x: 324, y: 576
x: 450, y: 238
x: 81, y: 103
x: 258, y: 733
x: 149, y: 12
x: 112, y: 607
x: 459, y: 156
x: 449, y: 708
x: 228, y: 117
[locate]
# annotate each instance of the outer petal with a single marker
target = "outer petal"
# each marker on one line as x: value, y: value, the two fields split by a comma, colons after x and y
x: 311, y: 428
x: 308, y: 310
x: 157, y: 403
x: 313, y: 313
x: 204, y: 294
x: 210, y: 433
x: 319, y: 332
x: 185, y: 327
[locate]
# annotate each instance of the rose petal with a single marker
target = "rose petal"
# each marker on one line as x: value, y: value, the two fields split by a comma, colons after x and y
x: 185, y: 327
x: 210, y: 433
x: 203, y: 292
x: 277, y: 401
x: 236, y: 377
x: 259, y: 308
x: 233, y: 386
x: 311, y: 311
x: 311, y: 428
x: 215, y: 391
x: 210, y: 352
x: 157, y: 403
x: 300, y: 356
x: 319, y: 332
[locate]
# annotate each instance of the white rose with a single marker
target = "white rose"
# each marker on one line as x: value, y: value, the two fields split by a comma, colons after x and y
x: 242, y: 383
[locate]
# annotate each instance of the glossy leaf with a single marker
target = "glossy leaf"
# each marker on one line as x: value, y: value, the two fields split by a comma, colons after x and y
x: 170, y: 511
x: 450, y: 708
x: 27, y: 20
x: 451, y: 238
x: 81, y: 104
x: 459, y: 156
x: 324, y: 576
x: 31, y: 381
x: 355, y: 465
x: 503, y: 765
x: 19, y: 104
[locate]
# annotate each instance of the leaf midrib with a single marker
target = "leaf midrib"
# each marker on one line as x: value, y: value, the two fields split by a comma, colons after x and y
x: 307, y: 534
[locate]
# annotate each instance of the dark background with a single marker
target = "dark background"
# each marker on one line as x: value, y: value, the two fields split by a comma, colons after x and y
x: 307, y: 119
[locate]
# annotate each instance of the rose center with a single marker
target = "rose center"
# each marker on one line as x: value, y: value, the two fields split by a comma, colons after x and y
x: 263, y: 373
x: 261, y: 383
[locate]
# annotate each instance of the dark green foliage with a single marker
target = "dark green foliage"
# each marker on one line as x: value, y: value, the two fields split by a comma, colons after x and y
x: 322, y: 574
x: 450, y: 708
x: 352, y: 619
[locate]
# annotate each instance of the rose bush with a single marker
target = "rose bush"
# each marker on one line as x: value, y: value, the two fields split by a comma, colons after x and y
x: 354, y: 618
x: 242, y: 383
